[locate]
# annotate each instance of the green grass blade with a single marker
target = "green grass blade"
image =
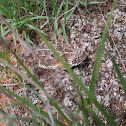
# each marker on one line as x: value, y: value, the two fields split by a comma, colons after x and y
x: 120, y: 76
x: 66, y: 9
x: 54, y: 7
x: 72, y: 10
x: 50, y: 114
x: 43, y: 4
x: 32, y: 27
x: 87, y: 106
x: 86, y: 4
x: 60, y: 7
x: 56, y: 27
x: 27, y: 40
x: 92, y: 113
x: 81, y: 104
x: 100, y: 52
x: 65, y: 20
x: 2, y: 74
x: 59, y: 110
x: 64, y: 34
x: 95, y: 2
x: 41, y: 17
x: 83, y: 110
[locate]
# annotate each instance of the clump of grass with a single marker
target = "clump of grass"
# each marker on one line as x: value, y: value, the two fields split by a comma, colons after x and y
x: 38, y: 116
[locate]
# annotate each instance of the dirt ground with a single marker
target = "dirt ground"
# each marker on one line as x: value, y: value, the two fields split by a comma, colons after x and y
x: 86, y: 33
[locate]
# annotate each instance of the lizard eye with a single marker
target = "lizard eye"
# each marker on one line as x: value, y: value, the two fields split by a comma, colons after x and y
x: 52, y: 55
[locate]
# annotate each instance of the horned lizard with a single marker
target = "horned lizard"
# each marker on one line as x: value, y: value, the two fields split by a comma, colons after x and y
x: 47, y: 60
